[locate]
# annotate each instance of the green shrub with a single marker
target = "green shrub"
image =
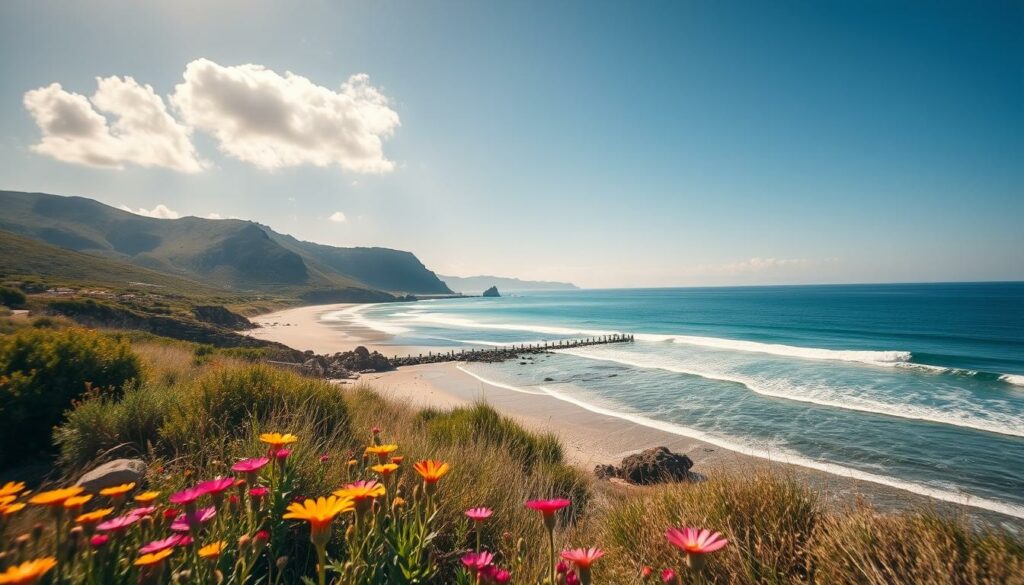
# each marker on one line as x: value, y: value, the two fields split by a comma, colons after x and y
x: 11, y: 297
x: 481, y: 423
x: 43, y: 371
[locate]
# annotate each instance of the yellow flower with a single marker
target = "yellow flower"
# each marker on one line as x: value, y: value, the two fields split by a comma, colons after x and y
x: 361, y: 490
x: 55, y: 497
x: 117, y: 490
x: 28, y: 572
x: 319, y: 513
x: 385, y: 469
x: 431, y: 470
x: 94, y: 516
x: 11, y: 508
x: 381, y: 451
x: 12, y: 488
x: 277, y: 440
x: 212, y: 550
x: 77, y: 501
x: 153, y: 558
x: 4, y: 500
x: 146, y: 497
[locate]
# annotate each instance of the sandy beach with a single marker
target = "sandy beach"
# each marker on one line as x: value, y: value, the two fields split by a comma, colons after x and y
x: 305, y: 328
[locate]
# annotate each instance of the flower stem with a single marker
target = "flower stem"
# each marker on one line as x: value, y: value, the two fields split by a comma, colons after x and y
x: 321, y: 564
x: 551, y: 551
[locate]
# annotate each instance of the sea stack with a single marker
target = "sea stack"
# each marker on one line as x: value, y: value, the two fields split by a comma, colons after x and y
x: 492, y: 292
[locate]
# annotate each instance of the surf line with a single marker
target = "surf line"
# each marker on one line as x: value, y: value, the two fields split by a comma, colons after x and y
x: 798, y: 460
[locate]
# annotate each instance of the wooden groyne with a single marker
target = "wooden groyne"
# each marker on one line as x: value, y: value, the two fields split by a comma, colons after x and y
x: 505, y: 352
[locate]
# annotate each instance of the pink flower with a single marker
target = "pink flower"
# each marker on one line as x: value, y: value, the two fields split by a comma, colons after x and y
x: 476, y: 561
x: 163, y: 544
x: 375, y: 430
x: 695, y: 543
x: 582, y: 557
x: 571, y: 578
x: 186, y: 497
x: 548, y: 507
x: 282, y: 454
x: 668, y: 576
x: 117, y: 524
x: 193, y: 520
x: 562, y: 567
x: 325, y: 458
x: 216, y: 486
x: 492, y: 574
x: 98, y: 540
x: 147, y: 511
x: 258, y: 492
x: 479, y: 514
x: 250, y: 465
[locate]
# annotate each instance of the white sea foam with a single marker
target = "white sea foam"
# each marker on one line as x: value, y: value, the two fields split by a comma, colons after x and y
x: 355, y: 316
x: 1015, y: 379
x: 1004, y: 425
x: 452, y: 321
x: 812, y: 353
x: 780, y: 455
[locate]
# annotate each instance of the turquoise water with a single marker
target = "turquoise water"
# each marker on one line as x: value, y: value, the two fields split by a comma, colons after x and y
x: 914, y: 386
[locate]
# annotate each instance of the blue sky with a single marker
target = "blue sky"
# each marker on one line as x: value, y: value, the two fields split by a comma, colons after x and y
x: 610, y: 144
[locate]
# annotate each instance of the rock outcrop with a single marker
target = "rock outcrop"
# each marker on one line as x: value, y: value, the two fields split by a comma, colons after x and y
x: 655, y: 465
x: 113, y: 473
x: 491, y: 292
x: 344, y: 364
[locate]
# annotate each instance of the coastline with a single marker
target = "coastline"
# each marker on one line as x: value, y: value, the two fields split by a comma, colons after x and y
x: 303, y: 328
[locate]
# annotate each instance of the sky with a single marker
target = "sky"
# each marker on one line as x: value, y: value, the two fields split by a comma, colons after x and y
x: 610, y: 144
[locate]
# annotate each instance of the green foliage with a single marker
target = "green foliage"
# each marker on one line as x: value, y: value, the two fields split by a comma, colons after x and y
x: 11, y: 297
x: 481, y: 423
x: 43, y: 371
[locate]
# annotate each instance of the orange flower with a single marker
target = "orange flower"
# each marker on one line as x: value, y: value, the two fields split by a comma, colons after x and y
x: 117, y: 490
x: 75, y: 502
x: 55, y: 497
x: 11, y: 508
x: 319, y: 513
x: 277, y: 440
x: 385, y: 470
x: 381, y: 451
x: 212, y: 550
x: 398, y: 459
x: 431, y: 470
x: 94, y: 516
x: 153, y: 558
x: 352, y: 462
x: 4, y: 500
x: 146, y: 497
x: 28, y: 572
x: 12, y: 488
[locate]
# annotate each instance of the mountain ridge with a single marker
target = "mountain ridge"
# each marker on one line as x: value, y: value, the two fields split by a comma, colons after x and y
x: 478, y: 284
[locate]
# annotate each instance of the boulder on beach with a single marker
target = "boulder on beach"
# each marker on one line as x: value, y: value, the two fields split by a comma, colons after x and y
x: 113, y: 473
x: 655, y: 465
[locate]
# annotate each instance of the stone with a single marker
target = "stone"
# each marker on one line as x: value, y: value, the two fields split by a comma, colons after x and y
x: 113, y: 473
x: 656, y: 465
x: 605, y: 471
x: 492, y: 292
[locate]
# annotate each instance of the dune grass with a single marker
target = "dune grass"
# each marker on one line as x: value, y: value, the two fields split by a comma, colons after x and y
x: 191, y: 414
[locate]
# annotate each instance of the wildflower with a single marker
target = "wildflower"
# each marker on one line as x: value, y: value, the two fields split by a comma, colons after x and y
x: 142, y: 511
x: 362, y: 492
x: 10, y: 509
x: 320, y: 513
x: 398, y: 459
x: 4, y: 500
x: 381, y: 451
x: 668, y: 576
x: 163, y: 544
x: 646, y: 572
x: 583, y: 558
x: 153, y: 559
x: 117, y: 491
x: 187, y: 497
x: 562, y: 567
x: 277, y: 441
x: 324, y: 458
x: 385, y: 469
x: 375, y: 430
x: 548, y: 508
x: 12, y: 488
x: 193, y: 521
x: 117, y: 524
x: 93, y: 517
x: 212, y: 550
x: 695, y: 543
x: 352, y: 462
x: 431, y: 471
x: 146, y: 497
x: 571, y: 578
x: 98, y: 540
x: 215, y: 488
x: 76, y: 502
x: 281, y: 455
x: 260, y: 540
x: 479, y: 514
x: 29, y: 571
x: 251, y: 468
x: 493, y: 574
x: 258, y: 492
x: 475, y: 561
x: 55, y: 497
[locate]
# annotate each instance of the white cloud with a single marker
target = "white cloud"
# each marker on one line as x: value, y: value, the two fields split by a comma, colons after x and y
x: 161, y: 211
x: 761, y: 265
x: 273, y: 121
x: 337, y: 216
x: 139, y: 130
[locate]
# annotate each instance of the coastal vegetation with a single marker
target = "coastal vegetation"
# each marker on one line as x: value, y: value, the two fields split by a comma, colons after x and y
x: 257, y: 475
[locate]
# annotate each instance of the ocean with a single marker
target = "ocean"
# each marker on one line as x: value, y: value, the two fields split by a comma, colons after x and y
x: 915, y: 386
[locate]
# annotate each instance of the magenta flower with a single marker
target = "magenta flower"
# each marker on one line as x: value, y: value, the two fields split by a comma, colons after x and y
x: 251, y: 468
x: 259, y: 492
x: 216, y: 486
x: 695, y: 543
x: 476, y: 561
x: 117, y: 524
x: 583, y: 558
x: 193, y: 520
x: 668, y: 576
x: 140, y: 512
x: 98, y: 540
x: 165, y: 543
x: 562, y: 567
x: 479, y: 514
x: 492, y: 574
x: 548, y: 507
x: 186, y: 497
x: 325, y: 458
x: 571, y: 578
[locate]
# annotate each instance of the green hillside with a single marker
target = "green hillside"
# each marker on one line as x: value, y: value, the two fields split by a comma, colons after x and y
x: 231, y: 254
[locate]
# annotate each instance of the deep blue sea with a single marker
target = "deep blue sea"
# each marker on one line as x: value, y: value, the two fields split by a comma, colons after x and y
x: 917, y: 386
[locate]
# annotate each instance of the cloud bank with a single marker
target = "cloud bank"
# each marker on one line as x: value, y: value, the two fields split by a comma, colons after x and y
x: 337, y: 217
x: 161, y: 211
x: 256, y: 115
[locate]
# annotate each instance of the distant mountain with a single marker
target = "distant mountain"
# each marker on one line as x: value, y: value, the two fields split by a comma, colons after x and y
x: 478, y: 284
x: 233, y: 254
